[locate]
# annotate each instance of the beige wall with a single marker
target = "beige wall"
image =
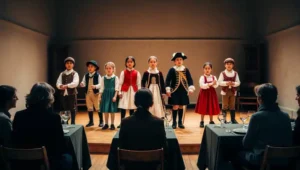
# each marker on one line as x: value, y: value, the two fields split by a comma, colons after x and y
x: 154, y: 19
x: 38, y: 15
x: 111, y: 30
x: 276, y: 15
x: 284, y: 64
x: 23, y: 59
x: 198, y: 52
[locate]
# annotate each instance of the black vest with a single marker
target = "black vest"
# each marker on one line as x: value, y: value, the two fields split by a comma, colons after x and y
x: 95, y: 81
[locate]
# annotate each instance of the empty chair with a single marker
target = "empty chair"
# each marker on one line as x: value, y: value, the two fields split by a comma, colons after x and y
x: 37, y: 157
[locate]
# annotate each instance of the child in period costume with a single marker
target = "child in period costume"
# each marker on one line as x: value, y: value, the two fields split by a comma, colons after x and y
x: 130, y: 82
x: 108, y: 94
x: 91, y: 82
x: 229, y: 81
x: 208, y: 103
x: 153, y: 80
x: 179, y: 85
x: 67, y: 82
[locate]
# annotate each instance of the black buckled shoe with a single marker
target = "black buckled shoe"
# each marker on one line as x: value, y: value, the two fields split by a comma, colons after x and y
x: 211, y: 122
x: 174, y: 125
x: 101, y: 124
x: 90, y: 124
x: 112, y: 127
x: 105, y: 127
x: 180, y: 125
x: 202, y: 124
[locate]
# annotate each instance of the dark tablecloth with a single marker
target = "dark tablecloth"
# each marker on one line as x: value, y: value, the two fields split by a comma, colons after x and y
x: 217, y: 147
x: 78, y: 147
x: 174, y: 159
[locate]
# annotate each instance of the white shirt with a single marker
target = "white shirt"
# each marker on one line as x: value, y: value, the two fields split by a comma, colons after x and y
x: 109, y: 77
x: 180, y: 68
x: 92, y: 74
x: 209, y: 78
x: 138, y: 80
x: 153, y: 71
x: 71, y: 85
x: 228, y: 74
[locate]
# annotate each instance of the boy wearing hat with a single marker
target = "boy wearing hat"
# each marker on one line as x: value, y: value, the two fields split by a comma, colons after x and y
x: 67, y: 82
x: 179, y: 85
x: 229, y: 81
x: 91, y: 82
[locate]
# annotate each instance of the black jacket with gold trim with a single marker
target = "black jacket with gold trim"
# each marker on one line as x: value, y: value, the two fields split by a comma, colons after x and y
x: 175, y: 78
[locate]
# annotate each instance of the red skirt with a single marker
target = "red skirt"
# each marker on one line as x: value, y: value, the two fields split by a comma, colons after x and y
x: 208, y: 103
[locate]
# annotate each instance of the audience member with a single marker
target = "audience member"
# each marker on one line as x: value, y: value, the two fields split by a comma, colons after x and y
x: 297, y: 122
x: 37, y: 126
x: 142, y: 130
x: 8, y: 100
x: 268, y: 126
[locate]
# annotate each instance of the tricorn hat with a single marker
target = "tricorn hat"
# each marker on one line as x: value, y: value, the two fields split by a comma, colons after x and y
x: 177, y: 55
x: 94, y: 63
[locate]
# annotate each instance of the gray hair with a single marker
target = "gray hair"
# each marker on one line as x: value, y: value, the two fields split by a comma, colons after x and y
x: 267, y: 92
x: 41, y: 95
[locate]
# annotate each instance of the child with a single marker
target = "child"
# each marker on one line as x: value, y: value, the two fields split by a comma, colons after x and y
x: 179, y: 85
x: 153, y: 80
x: 229, y: 80
x: 207, y: 100
x: 130, y: 82
x: 108, y: 94
x: 67, y: 82
x: 91, y: 82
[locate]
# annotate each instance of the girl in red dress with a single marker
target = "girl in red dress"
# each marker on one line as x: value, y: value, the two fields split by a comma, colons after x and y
x: 207, y: 103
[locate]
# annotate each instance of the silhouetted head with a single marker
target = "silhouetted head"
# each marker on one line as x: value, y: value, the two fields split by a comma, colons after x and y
x: 40, y: 96
x: 266, y: 93
x: 8, y: 97
x: 143, y: 98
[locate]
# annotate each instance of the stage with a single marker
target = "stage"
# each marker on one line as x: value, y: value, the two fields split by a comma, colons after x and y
x: 189, y: 138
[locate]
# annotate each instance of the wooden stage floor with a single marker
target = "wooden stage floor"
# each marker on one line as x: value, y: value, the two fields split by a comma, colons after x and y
x: 189, y: 138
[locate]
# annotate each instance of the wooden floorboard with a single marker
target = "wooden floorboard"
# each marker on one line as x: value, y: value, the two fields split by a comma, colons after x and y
x: 189, y: 138
x: 99, y: 162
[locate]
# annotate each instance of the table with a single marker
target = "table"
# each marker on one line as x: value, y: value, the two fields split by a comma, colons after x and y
x: 78, y: 147
x: 174, y: 159
x: 217, y: 147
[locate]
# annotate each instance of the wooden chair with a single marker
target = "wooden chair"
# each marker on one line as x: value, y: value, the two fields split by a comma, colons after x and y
x: 141, y: 156
x: 10, y: 154
x: 291, y: 153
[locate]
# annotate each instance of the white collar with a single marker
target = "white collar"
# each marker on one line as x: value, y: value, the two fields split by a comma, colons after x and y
x: 155, y: 70
x: 229, y: 72
x: 109, y: 77
x: 68, y: 71
x: 180, y: 68
x: 92, y: 74
x: 130, y: 69
x: 207, y: 75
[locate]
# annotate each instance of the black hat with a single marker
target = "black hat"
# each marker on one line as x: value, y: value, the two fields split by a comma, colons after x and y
x: 94, y: 63
x: 69, y: 59
x: 177, y: 55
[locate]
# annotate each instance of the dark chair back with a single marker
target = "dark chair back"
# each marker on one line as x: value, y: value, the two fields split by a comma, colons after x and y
x: 141, y: 156
x: 291, y: 154
x: 36, y: 154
